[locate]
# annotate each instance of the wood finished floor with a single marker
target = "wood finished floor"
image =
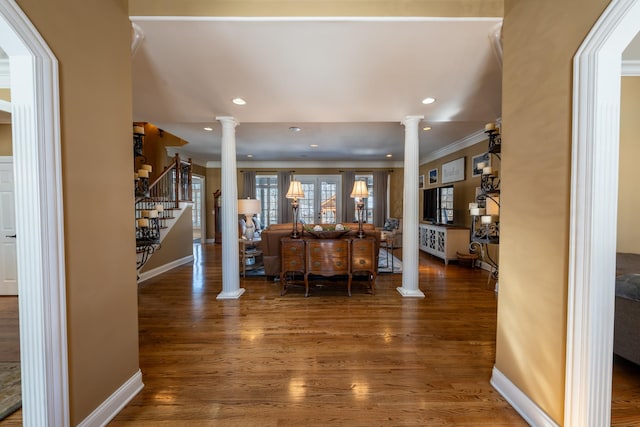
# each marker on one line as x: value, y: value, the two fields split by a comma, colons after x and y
x: 326, y: 360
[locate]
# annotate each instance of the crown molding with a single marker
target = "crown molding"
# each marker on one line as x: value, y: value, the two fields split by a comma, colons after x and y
x: 631, y: 68
x: 310, y: 165
x: 461, y: 144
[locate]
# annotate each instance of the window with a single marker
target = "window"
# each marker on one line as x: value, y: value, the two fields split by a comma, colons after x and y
x: 367, y: 213
x: 446, y: 205
x: 267, y: 193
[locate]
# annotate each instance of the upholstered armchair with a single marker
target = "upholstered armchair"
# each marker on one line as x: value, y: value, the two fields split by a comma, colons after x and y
x: 392, y: 231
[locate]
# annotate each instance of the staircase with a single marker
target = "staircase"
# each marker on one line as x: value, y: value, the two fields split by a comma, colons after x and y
x: 156, y: 205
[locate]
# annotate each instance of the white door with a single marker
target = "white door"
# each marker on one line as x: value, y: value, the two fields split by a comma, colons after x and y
x: 8, y: 270
x: 322, y: 199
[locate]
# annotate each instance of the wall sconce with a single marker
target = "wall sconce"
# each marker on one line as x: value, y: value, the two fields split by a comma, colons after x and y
x: 360, y: 192
x: 249, y: 207
x: 295, y: 192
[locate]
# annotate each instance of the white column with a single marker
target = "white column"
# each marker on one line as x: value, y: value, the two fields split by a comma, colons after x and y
x: 410, y: 277
x: 229, y: 212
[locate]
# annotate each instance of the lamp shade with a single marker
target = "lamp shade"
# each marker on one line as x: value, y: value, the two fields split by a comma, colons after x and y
x: 249, y: 206
x: 295, y: 190
x: 360, y: 190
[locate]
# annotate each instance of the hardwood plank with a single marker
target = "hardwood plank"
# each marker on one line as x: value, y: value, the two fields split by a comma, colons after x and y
x: 330, y: 359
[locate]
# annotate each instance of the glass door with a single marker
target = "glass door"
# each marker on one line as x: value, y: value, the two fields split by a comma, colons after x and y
x: 322, y: 199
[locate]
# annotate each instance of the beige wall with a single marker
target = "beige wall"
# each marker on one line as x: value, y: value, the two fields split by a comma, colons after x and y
x: 540, y: 40
x: 94, y: 58
x: 6, y: 147
x: 464, y: 192
x: 628, y: 196
x: 176, y: 245
x: 5, y: 94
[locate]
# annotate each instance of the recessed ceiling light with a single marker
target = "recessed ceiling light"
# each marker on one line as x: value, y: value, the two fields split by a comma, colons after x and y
x: 389, y: 155
x: 313, y: 145
x: 426, y: 128
x: 428, y: 100
x: 238, y: 101
x: 249, y: 155
x: 208, y: 129
x: 295, y: 129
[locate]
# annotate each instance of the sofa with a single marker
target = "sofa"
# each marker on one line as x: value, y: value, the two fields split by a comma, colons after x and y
x: 272, y: 249
x: 626, y: 335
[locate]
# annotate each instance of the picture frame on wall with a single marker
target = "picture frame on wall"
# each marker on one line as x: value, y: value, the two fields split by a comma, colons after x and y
x: 476, y: 160
x: 433, y: 176
x: 453, y: 171
x: 421, y: 182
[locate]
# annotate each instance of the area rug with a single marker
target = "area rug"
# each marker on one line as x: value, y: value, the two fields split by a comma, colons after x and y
x: 386, y: 260
x: 10, y: 390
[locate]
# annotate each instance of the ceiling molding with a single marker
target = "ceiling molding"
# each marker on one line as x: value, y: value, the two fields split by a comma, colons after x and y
x: 315, y: 19
x: 311, y: 165
x: 461, y: 144
x: 5, y: 79
x: 631, y: 68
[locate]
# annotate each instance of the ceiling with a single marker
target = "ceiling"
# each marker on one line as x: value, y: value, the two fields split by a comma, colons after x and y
x: 346, y: 83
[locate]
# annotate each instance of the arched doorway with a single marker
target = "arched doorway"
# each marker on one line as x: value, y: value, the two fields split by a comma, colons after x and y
x: 39, y: 219
x: 596, y: 119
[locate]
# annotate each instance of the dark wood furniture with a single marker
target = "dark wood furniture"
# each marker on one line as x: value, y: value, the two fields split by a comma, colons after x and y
x: 293, y: 260
x: 327, y: 257
x: 363, y: 260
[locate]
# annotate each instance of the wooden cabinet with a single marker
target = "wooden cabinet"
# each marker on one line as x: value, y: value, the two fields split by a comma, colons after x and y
x: 443, y: 241
x: 327, y: 257
x: 293, y: 260
x: 364, y: 259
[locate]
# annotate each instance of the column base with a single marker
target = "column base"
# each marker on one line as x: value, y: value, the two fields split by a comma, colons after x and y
x: 410, y: 293
x: 231, y: 295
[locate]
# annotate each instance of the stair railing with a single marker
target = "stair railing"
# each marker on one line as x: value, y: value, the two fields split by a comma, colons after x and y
x: 156, y: 202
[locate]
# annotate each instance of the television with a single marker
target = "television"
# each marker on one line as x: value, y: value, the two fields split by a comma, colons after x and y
x: 430, y: 205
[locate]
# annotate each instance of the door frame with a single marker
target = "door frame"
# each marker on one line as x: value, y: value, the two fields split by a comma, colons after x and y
x: 317, y: 178
x: 594, y: 200
x: 35, y: 113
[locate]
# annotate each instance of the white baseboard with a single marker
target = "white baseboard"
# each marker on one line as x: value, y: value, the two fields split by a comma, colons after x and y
x: 527, y: 409
x: 164, y: 268
x: 114, y: 404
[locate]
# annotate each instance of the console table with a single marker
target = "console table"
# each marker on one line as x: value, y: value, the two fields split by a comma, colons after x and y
x: 328, y: 257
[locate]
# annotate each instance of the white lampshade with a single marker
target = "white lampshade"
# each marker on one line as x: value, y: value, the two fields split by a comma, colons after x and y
x: 249, y: 206
x: 295, y: 191
x: 360, y: 190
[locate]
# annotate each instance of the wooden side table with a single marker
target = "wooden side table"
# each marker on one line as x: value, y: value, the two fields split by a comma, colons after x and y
x: 292, y: 260
x: 363, y: 260
x: 249, y: 249
x: 327, y: 257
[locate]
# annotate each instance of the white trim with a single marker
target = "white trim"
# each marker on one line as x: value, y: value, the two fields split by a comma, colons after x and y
x: 526, y: 407
x: 114, y: 403
x: 592, y: 243
x: 137, y: 38
x: 313, y: 19
x: 39, y: 219
x: 5, y: 76
x: 631, y: 68
x: 164, y: 268
x: 309, y: 164
x: 454, y: 147
x: 5, y: 106
x: 165, y: 231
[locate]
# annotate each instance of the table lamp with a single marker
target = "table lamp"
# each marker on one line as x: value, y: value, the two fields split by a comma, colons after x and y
x: 249, y: 207
x: 360, y: 192
x: 295, y: 192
